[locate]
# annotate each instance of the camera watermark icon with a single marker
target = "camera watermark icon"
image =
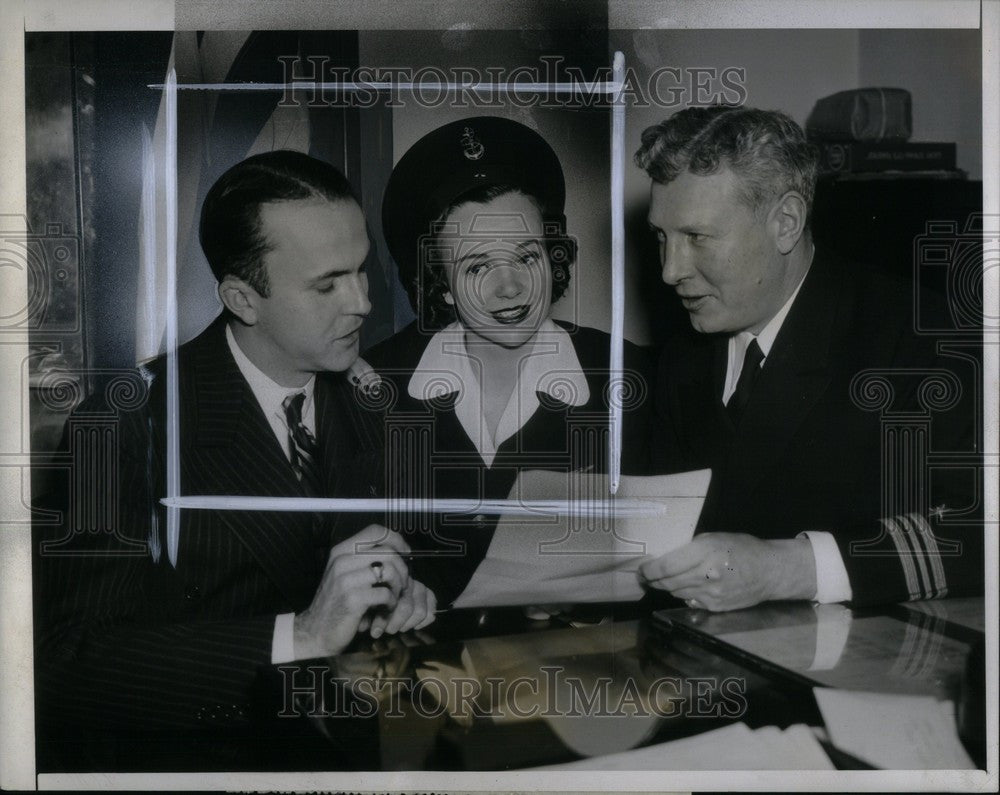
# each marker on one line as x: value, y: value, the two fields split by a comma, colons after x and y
x: 953, y: 262
x: 48, y: 261
x: 498, y: 273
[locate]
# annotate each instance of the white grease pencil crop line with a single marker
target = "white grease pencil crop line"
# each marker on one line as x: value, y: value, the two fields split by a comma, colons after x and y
x: 602, y: 87
x: 618, y: 507
x: 173, y: 388
x: 617, y: 278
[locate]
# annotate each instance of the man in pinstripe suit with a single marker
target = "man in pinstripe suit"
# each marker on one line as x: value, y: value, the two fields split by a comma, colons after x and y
x: 171, y: 637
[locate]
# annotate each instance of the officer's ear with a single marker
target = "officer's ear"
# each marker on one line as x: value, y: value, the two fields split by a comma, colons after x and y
x: 449, y: 298
x: 787, y: 220
x: 239, y: 298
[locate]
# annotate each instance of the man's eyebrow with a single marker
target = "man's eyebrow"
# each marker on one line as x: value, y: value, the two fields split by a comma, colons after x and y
x: 698, y: 229
x: 684, y: 229
x: 333, y: 274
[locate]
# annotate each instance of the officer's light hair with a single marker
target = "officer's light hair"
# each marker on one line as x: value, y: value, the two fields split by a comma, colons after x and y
x: 766, y: 149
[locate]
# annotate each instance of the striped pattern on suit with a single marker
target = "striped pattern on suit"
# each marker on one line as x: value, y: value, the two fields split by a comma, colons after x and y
x: 125, y: 642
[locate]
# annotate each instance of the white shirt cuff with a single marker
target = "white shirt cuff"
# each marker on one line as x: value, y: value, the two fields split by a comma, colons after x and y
x: 832, y: 584
x: 283, y: 642
x: 833, y: 628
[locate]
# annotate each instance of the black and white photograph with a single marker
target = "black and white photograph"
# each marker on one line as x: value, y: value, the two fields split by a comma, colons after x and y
x: 567, y: 395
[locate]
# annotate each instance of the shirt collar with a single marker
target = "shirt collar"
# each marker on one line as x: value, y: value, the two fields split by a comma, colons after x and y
x: 270, y: 394
x: 550, y: 366
x: 738, y: 343
x: 769, y: 333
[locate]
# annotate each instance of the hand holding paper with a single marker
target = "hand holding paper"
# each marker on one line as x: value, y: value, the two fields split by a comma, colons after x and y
x: 589, y: 555
x: 729, y: 571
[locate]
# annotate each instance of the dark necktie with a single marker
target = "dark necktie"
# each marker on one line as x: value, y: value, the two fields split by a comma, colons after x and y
x: 744, y: 386
x: 302, y: 445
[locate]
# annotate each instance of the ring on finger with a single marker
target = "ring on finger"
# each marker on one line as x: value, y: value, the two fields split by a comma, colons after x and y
x: 377, y: 568
x: 693, y: 603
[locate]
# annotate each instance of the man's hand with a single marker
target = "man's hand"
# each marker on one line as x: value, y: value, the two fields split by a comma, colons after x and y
x: 350, y: 588
x: 414, y: 610
x: 727, y: 571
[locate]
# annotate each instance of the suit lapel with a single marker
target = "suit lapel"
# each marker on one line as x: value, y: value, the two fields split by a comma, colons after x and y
x: 350, y: 430
x: 795, y: 375
x: 706, y: 429
x: 326, y: 433
x: 347, y: 431
x: 234, y: 451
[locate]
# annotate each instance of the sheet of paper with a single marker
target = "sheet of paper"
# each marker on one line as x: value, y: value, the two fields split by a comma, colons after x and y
x: 591, y: 557
x: 894, y: 732
x: 734, y: 747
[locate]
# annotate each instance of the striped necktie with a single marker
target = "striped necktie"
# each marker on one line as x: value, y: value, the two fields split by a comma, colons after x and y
x: 302, y: 445
x: 744, y: 386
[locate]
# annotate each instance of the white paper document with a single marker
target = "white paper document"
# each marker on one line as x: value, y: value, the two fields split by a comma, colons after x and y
x: 733, y: 747
x: 592, y: 552
x: 894, y: 732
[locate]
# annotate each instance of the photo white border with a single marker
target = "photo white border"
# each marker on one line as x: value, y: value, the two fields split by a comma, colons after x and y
x: 17, y: 726
x: 16, y: 697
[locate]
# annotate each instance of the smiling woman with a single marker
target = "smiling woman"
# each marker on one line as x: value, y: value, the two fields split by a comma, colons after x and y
x: 485, y: 383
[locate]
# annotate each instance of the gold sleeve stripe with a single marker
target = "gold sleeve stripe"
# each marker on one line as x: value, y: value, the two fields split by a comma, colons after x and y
x: 923, y: 527
x: 905, y: 555
x: 913, y: 538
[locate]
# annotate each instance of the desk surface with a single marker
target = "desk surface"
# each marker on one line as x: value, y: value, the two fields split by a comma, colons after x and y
x: 490, y: 690
x: 900, y: 650
x: 493, y: 690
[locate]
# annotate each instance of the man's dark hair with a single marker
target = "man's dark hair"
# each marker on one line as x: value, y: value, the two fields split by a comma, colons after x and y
x: 766, y: 149
x: 431, y: 284
x: 230, y: 216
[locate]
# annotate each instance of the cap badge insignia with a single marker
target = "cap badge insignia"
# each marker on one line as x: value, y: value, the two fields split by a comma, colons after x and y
x: 471, y: 147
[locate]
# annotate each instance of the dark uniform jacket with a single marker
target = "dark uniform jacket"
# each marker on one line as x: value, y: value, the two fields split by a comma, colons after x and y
x: 429, y: 453
x: 856, y: 425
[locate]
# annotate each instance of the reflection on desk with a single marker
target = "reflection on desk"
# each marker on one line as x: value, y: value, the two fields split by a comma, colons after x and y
x: 493, y: 690
x: 557, y: 694
x: 918, y: 667
x: 889, y: 652
x: 519, y: 700
x: 966, y: 613
x: 472, y: 696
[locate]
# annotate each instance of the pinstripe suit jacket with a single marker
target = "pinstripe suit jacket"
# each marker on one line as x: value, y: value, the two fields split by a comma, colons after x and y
x: 128, y: 642
x: 856, y: 426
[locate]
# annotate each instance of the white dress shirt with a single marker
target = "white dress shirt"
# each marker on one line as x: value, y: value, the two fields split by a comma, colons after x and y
x: 832, y: 583
x: 549, y: 364
x: 271, y: 396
